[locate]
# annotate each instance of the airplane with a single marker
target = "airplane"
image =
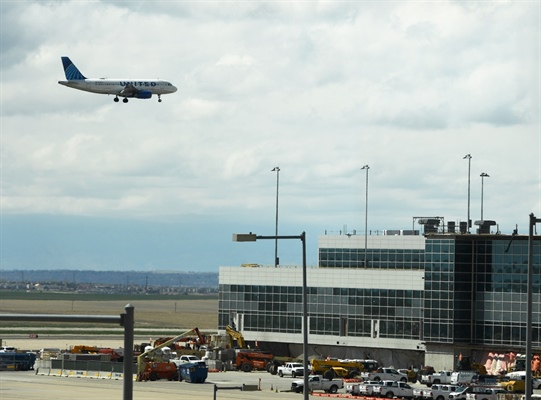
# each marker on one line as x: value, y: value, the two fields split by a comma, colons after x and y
x: 137, y: 88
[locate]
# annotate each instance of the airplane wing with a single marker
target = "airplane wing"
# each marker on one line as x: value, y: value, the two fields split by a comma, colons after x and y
x: 131, y: 91
x: 128, y: 91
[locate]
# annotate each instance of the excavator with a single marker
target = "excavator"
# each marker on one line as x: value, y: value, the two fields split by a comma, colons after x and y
x: 142, y: 363
x: 233, y: 335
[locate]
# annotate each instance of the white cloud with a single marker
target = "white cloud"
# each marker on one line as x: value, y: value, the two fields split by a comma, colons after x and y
x: 318, y: 88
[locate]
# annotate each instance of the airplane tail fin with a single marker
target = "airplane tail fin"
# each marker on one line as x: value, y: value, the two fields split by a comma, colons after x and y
x: 71, y: 71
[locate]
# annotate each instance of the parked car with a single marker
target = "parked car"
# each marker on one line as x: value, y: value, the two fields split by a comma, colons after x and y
x: 317, y: 382
x: 484, y: 393
x: 391, y: 389
x: 440, y: 392
x: 293, y: 369
x: 460, y: 393
x: 367, y: 387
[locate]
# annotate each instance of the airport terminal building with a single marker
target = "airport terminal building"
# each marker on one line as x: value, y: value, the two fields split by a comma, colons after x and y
x: 402, y: 298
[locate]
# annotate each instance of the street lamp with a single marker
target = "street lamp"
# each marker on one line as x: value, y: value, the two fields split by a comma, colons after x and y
x: 252, y: 237
x: 529, y: 298
x: 276, y: 262
x: 468, y: 156
x: 483, y: 176
x: 366, y: 167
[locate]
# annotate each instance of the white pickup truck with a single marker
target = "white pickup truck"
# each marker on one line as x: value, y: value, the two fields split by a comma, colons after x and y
x: 391, y: 389
x: 440, y: 392
x: 317, y: 382
x: 437, y: 378
x: 293, y: 369
x: 385, y: 374
x: 366, y: 388
x: 484, y: 393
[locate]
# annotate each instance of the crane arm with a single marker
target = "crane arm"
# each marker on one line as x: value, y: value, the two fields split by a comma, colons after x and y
x: 141, y: 357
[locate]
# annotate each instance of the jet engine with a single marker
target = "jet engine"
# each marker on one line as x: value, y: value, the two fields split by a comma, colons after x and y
x: 143, y: 94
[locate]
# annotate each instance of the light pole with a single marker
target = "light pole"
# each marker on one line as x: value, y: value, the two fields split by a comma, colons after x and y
x: 252, y: 237
x: 366, y: 167
x: 276, y: 262
x: 483, y: 176
x: 468, y: 156
x: 528, y: 383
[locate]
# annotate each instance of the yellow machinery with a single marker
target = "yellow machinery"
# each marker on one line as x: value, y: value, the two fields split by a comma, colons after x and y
x: 82, y: 349
x: 332, y: 368
x: 233, y: 334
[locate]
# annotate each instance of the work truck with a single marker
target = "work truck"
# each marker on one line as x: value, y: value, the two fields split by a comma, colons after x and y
x: 391, y: 389
x: 385, y: 374
x: 485, y: 393
x: 293, y: 369
x: 317, y: 382
x: 437, y: 378
x: 440, y: 392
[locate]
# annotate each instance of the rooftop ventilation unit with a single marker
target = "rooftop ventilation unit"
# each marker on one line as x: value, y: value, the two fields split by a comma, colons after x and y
x: 484, y: 226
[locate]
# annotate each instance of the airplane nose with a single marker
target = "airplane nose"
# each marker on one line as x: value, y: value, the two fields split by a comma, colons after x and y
x: 174, y: 88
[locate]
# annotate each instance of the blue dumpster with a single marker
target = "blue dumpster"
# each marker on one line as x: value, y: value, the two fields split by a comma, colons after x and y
x: 195, y: 372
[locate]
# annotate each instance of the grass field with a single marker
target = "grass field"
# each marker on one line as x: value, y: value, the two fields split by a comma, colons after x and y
x: 177, y: 312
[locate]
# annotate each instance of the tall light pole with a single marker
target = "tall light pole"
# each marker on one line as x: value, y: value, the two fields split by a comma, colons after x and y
x: 252, y: 237
x: 276, y: 262
x: 483, y: 176
x: 468, y: 156
x: 366, y: 167
x: 529, y: 309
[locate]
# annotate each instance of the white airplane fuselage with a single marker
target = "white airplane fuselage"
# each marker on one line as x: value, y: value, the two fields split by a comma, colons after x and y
x: 117, y: 86
x: 127, y: 88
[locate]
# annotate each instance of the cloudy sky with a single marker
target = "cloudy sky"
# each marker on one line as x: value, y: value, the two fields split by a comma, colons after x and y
x: 318, y: 88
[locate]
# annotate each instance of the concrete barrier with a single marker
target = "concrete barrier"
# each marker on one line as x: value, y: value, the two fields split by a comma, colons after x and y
x: 93, y: 374
x: 117, y: 375
x: 76, y: 374
x: 43, y: 371
x: 104, y: 375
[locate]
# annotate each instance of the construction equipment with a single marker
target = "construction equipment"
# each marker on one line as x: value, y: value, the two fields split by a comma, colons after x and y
x: 195, y: 343
x: 141, y: 363
x: 160, y: 370
x: 233, y: 335
x: 82, y: 349
x: 249, y: 360
x: 333, y: 368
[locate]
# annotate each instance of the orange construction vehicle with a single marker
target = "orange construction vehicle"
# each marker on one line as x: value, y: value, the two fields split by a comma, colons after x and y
x: 249, y: 360
x: 146, y: 357
x: 160, y: 370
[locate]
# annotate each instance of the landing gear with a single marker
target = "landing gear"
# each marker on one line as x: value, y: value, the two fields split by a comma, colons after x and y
x: 125, y: 100
x: 116, y: 99
x: 159, y: 98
